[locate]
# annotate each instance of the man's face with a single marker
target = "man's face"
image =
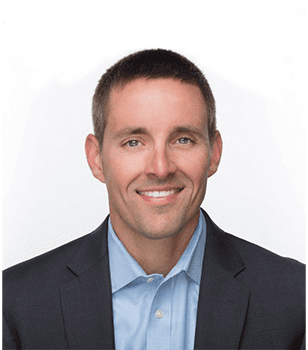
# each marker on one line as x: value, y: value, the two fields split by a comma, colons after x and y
x: 156, y: 157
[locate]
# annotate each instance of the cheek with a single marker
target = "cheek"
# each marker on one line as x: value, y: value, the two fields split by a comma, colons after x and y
x: 195, y: 166
x: 132, y: 165
x: 122, y: 168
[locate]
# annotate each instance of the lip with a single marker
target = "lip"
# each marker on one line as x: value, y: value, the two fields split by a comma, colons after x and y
x: 160, y: 199
x: 161, y: 189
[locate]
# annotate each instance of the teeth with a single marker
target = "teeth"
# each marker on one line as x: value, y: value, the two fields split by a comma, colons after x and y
x: 156, y: 194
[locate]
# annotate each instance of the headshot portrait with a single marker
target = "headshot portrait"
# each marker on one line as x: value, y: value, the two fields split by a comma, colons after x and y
x: 154, y: 176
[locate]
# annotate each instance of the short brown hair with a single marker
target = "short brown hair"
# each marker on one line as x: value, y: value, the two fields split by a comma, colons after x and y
x: 149, y: 64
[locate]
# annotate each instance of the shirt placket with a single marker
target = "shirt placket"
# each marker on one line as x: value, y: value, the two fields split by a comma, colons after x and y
x: 159, y: 326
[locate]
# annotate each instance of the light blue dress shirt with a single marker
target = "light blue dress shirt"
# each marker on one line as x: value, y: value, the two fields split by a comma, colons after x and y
x: 150, y: 311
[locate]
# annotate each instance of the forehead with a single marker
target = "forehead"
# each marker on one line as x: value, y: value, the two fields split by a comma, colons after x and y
x: 149, y: 102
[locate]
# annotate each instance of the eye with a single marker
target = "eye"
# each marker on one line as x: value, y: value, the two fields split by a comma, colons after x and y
x: 184, y: 140
x: 133, y: 143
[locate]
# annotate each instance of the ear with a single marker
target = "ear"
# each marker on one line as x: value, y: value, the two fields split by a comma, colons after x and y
x: 215, y: 154
x: 94, y: 157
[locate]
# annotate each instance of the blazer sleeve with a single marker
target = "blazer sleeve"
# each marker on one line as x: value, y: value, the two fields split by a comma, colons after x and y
x: 8, y: 338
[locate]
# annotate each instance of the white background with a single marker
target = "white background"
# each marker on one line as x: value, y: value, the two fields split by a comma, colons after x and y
x: 252, y: 53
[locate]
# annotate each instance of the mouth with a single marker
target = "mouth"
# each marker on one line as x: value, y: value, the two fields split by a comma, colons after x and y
x: 160, y: 193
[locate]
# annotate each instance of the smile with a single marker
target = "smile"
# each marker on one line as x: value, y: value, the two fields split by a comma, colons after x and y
x: 159, y: 194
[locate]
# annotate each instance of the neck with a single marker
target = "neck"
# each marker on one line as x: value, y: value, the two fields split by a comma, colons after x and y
x: 155, y: 255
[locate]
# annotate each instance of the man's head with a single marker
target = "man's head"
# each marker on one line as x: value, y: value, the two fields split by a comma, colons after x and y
x: 149, y: 64
x: 156, y: 151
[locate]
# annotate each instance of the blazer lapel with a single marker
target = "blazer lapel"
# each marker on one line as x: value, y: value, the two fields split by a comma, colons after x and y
x: 223, y: 300
x: 86, y: 299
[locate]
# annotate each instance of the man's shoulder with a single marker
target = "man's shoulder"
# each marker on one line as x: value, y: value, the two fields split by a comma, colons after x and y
x: 266, y: 270
x: 54, y: 261
x: 49, y: 263
x: 260, y: 266
x: 255, y: 255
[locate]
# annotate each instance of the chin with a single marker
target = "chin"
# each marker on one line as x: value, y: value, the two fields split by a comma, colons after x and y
x: 161, y: 230
x: 155, y: 236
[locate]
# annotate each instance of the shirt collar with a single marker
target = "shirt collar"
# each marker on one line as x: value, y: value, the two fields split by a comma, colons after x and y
x: 125, y: 269
x: 192, y: 258
x: 194, y: 263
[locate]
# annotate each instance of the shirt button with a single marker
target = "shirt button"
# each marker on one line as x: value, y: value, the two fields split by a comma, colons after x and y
x: 159, y: 314
x: 150, y: 279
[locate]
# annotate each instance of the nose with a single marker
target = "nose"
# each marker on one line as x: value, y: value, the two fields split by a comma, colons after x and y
x: 160, y: 163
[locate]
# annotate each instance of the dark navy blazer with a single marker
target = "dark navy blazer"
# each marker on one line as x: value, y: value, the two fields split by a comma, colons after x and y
x: 249, y: 297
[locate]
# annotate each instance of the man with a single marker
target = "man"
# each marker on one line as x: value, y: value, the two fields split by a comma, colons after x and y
x: 158, y: 273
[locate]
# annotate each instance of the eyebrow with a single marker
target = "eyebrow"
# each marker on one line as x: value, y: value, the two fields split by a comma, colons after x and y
x: 129, y: 131
x: 188, y: 129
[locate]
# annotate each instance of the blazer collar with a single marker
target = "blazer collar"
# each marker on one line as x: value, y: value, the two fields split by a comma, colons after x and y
x: 221, y: 250
x: 223, y: 300
x: 93, y: 250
